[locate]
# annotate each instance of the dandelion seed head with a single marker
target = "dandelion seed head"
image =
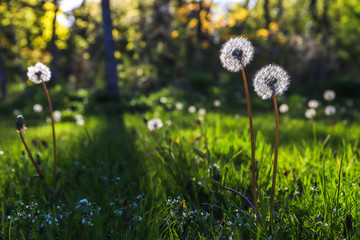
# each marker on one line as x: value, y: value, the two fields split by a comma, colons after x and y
x: 154, y: 124
x: 217, y: 103
x: 330, y: 110
x: 329, y: 95
x: 179, y: 106
x: 202, y: 111
x: 39, y: 73
x: 310, y: 113
x: 236, y: 53
x: 192, y: 109
x: 313, y: 104
x: 57, y: 115
x: 284, y: 108
x: 37, y: 108
x: 271, y: 80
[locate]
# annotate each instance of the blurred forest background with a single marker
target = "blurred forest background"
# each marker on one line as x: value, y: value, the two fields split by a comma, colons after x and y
x: 147, y: 45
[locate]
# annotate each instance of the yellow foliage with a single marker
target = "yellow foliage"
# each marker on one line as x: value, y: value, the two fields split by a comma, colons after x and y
x: 5, y: 22
x: 49, y: 6
x: 130, y: 46
x: 117, y: 54
x: 142, y: 44
x: 231, y: 22
x: 39, y: 43
x: 193, y: 23
x: 174, y: 34
x: 2, y: 7
x: 136, y: 56
x: 193, y: 7
x: 61, y: 44
x: 274, y: 27
x: 61, y: 31
x: 81, y: 23
x: 262, y: 32
x: 86, y: 55
x: 115, y: 33
x: 205, y: 44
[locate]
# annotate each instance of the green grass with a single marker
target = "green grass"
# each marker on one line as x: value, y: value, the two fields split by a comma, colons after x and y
x: 159, y: 185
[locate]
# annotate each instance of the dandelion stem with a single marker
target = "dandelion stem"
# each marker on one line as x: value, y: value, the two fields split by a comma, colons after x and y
x: 30, y: 155
x: 272, y: 197
x: 53, y: 131
x: 253, y: 164
x: 238, y: 193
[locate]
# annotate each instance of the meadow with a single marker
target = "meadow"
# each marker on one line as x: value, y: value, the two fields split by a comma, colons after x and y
x: 119, y: 180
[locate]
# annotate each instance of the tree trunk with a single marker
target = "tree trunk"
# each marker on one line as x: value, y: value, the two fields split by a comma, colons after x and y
x: 54, y: 50
x: 2, y: 78
x: 111, y: 73
x: 267, y: 14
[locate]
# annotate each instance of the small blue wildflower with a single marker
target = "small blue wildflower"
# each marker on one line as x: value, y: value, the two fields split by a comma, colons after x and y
x: 139, y: 197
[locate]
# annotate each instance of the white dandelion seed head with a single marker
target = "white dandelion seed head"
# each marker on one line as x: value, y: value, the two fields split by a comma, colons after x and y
x: 236, y: 53
x: 313, y: 104
x: 39, y: 73
x: 202, y: 111
x: 179, y: 106
x: 310, y: 113
x: 217, y: 103
x: 154, y: 124
x: 37, y: 108
x: 236, y: 116
x: 192, y: 109
x: 329, y: 95
x: 168, y: 122
x: 163, y: 100
x: 271, y: 80
x: 284, y: 108
x: 57, y: 115
x: 2, y: 152
x: 330, y: 110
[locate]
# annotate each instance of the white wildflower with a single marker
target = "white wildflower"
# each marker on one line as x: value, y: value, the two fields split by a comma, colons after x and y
x: 39, y: 73
x: 57, y: 115
x: 179, y: 106
x: 163, y: 100
x: 284, y: 108
x: 314, y: 104
x: 202, y: 111
x: 330, y: 110
x: 217, y: 103
x: 37, y: 108
x: 154, y: 124
x: 271, y: 80
x: 310, y: 113
x: 192, y: 109
x: 329, y: 95
x: 236, y: 53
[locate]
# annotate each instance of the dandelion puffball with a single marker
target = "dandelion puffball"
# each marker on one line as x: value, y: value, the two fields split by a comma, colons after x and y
x: 39, y: 73
x: 330, y: 110
x: 179, y: 106
x: 37, y: 108
x: 57, y: 115
x: 271, y: 80
x: 284, y: 108
x: 310, y: 113
x: 313, y: 104
x: 192, y: 109
x: 154, y: 124
x: 202, y: 111
x: 217, y: 103
x: 236, y: 53
x: 329, y: 95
